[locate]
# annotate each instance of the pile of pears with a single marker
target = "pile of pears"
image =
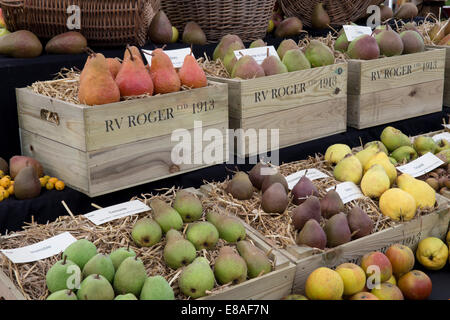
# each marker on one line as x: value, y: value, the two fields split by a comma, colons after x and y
x: 373, y: 168
x: 107, y: 80
x: 290, y: 57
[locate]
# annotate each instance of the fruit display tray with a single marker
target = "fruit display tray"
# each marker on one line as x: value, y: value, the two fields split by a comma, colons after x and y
x: 304, y: 105
x: 395, y: 88
x: 27, y: 281
x: 101, y: 149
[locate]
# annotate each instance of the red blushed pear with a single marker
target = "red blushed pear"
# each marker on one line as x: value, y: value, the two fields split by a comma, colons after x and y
x: 165, y: 77
x: 191, y: 74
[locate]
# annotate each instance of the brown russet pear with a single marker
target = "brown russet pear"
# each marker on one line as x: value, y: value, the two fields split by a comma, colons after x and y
x: 4, y: 166
x: 97, y: 85
x: 331, y: 204
x: 275, y: 199
x: 165, y: 78
x: 337, y: 230
x: 17, y: 163
x: 310, y: 209
x: 240, y: 186
x: 312, y: 235
x: 27, y: 184
x: 191, y: 74
x: 273, y: 178
x: 193, y: 34
x: 257, y: 261
x: 222, y: 48
x: 114, y: 66
x: 408, y: 10
x: 247, y: 68
x: 359, y: 222
x: 285, y: 46
x: 291, y: 26
x: 272, y: 65
x: 319, y: 17
x: 386, y: 12
x: 133, y: 78
x: 71, y: 42
x: 20, y: 44
x: 256, y: 175
x: 160, y: 30
x: 303, y: 189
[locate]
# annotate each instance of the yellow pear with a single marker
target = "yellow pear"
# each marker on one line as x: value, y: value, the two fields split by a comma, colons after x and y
x: 336, y: 153
x: 422, y: 192
x: 375, y: 182
x: 349, y: 169
x: 382, y: 159
x: 366, y: 154
x: 398, y: 205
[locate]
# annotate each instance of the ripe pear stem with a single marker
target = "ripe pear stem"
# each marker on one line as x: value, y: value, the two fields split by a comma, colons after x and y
x: 267, y: 52
x: 65, y: 259
x: 131, y: 54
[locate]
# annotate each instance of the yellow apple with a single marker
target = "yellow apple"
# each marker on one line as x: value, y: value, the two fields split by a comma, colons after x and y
x: 353, y: 276
x: 3, y: 32
x: 175, y: 35
x: 324, y: 284
x: 432, y: 253
x: 271, y: 26
x: 392, y: 280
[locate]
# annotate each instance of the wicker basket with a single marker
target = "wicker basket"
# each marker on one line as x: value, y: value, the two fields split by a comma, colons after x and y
x: 246, y: 18
x: 103, y: 22
x: 340, y: 12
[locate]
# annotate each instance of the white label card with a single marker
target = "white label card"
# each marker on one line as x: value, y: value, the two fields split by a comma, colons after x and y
x: 426, y: 163
x: 176, y: 56
x: 117, y: 211
x: 446, y: 126
x: 311, y: 174
x: 259, y: 54
x: 348, y: 191
x: 353, y: 32
x: 41, y: 250
x: 442, y: 136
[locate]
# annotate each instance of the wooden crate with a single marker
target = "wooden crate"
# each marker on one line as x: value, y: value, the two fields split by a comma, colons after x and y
x: 446, y: 101
x: 101, y: 149
x: 304, y: 105
x: 390, y: 89
x: 409, y: 234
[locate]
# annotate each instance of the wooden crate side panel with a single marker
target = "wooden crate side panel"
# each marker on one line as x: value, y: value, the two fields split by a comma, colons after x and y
x: 447, y: 73
x: 409, y: 234
x: 66, y: 126
x: 8, y: 290
x: 303, y: 123
x: 354, y: 77
x: 378, y: 108
x: 66, y: 163
x: 147, y: 160
x: 128, y: 121
x: 400, y: 71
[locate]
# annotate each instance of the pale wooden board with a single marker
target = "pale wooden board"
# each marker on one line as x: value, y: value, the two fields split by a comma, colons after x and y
x: 8, y: 290
x: 272, y: 94
x: 447, y: 74
x: 70, y: 131
x: 303, y: 123
x: 409, y: 234
x: 378, y: 108
x: 99, y: 136
x: 65, y: 163
x: 416, y: 61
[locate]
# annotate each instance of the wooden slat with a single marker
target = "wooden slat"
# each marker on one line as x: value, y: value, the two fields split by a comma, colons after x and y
x: 378, y: 108
x: 447, y: 73
x: 8, y: 290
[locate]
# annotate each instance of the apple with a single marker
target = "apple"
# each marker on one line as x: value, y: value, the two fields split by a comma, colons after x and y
x: 271, y: 26
x: 17, y: 163
x: 401, y: 258
x: 324, y: 284
x: 392, y: 280
x: 376, y: 258
x: 353, y: 276
x: 3, y: 32
x: 364, y: 296
x: 432, y: 253
x: 175, y: 35
x: 388, y: 291
x: 295, y: 297
x: 415, y: 285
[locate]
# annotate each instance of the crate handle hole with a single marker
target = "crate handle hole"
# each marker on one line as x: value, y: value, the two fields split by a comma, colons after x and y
x: 50, y: 116
x: 31, y: 148
x: 413, y: 93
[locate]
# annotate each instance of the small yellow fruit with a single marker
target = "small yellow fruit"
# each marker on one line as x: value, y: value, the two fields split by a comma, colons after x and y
x: 53, y: 180
x: 5, y: 182
x: 336, y: 152
x: 432, y: 253
x: 11, y: 189
x: 398, y: 205
x: 12, y: 182
x: 59, y: 185
x: 43, y: 182
x: 271, y: 26
x: 1, y: 174
x: 50, y: 186
x: 5, y: 194
x: 175, y: 35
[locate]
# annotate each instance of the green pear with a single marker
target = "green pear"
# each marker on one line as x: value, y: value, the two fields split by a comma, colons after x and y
x: 257, y: 43
x: 285, y: 46
x: 295, y: 60
x: 442, y: 145
x: 349, y: 169
x: 380, y: 145
x: 167, y: 217
x: 63, y: 295
x: 196, y: 278
x: 64, y: 274
x: 188, y: 206
x: 80, y: 252
x: 95, y: 287
x: 157, y: 288
x: 128, y: 296
x: 404, y: 153
x: 341, y: 43
x: 100, y: 264
x: 393, y: 161
x: 117, y: 256
x: 257, y: 261
x: 230, y: 228
x: 424, y: 145
x: 393, y: 138
x: 319, y: 54
x: 178, y: 251
x: 202, y: 234
x: 230, y: 267
x: 146, y: 232
x: 229, y: 60
x: 130, y: 276
x: 367, y: 153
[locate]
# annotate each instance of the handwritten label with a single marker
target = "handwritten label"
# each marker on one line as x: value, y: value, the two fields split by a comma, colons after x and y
x: 41, y: 250
x: 348, y: 191
x: 176, y: 56
x: 442, y: 136
x: 125, y: 209
x: 311, y: 174
x: 259, y: 54
x: 426, y: 163
x: 353, y: 32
